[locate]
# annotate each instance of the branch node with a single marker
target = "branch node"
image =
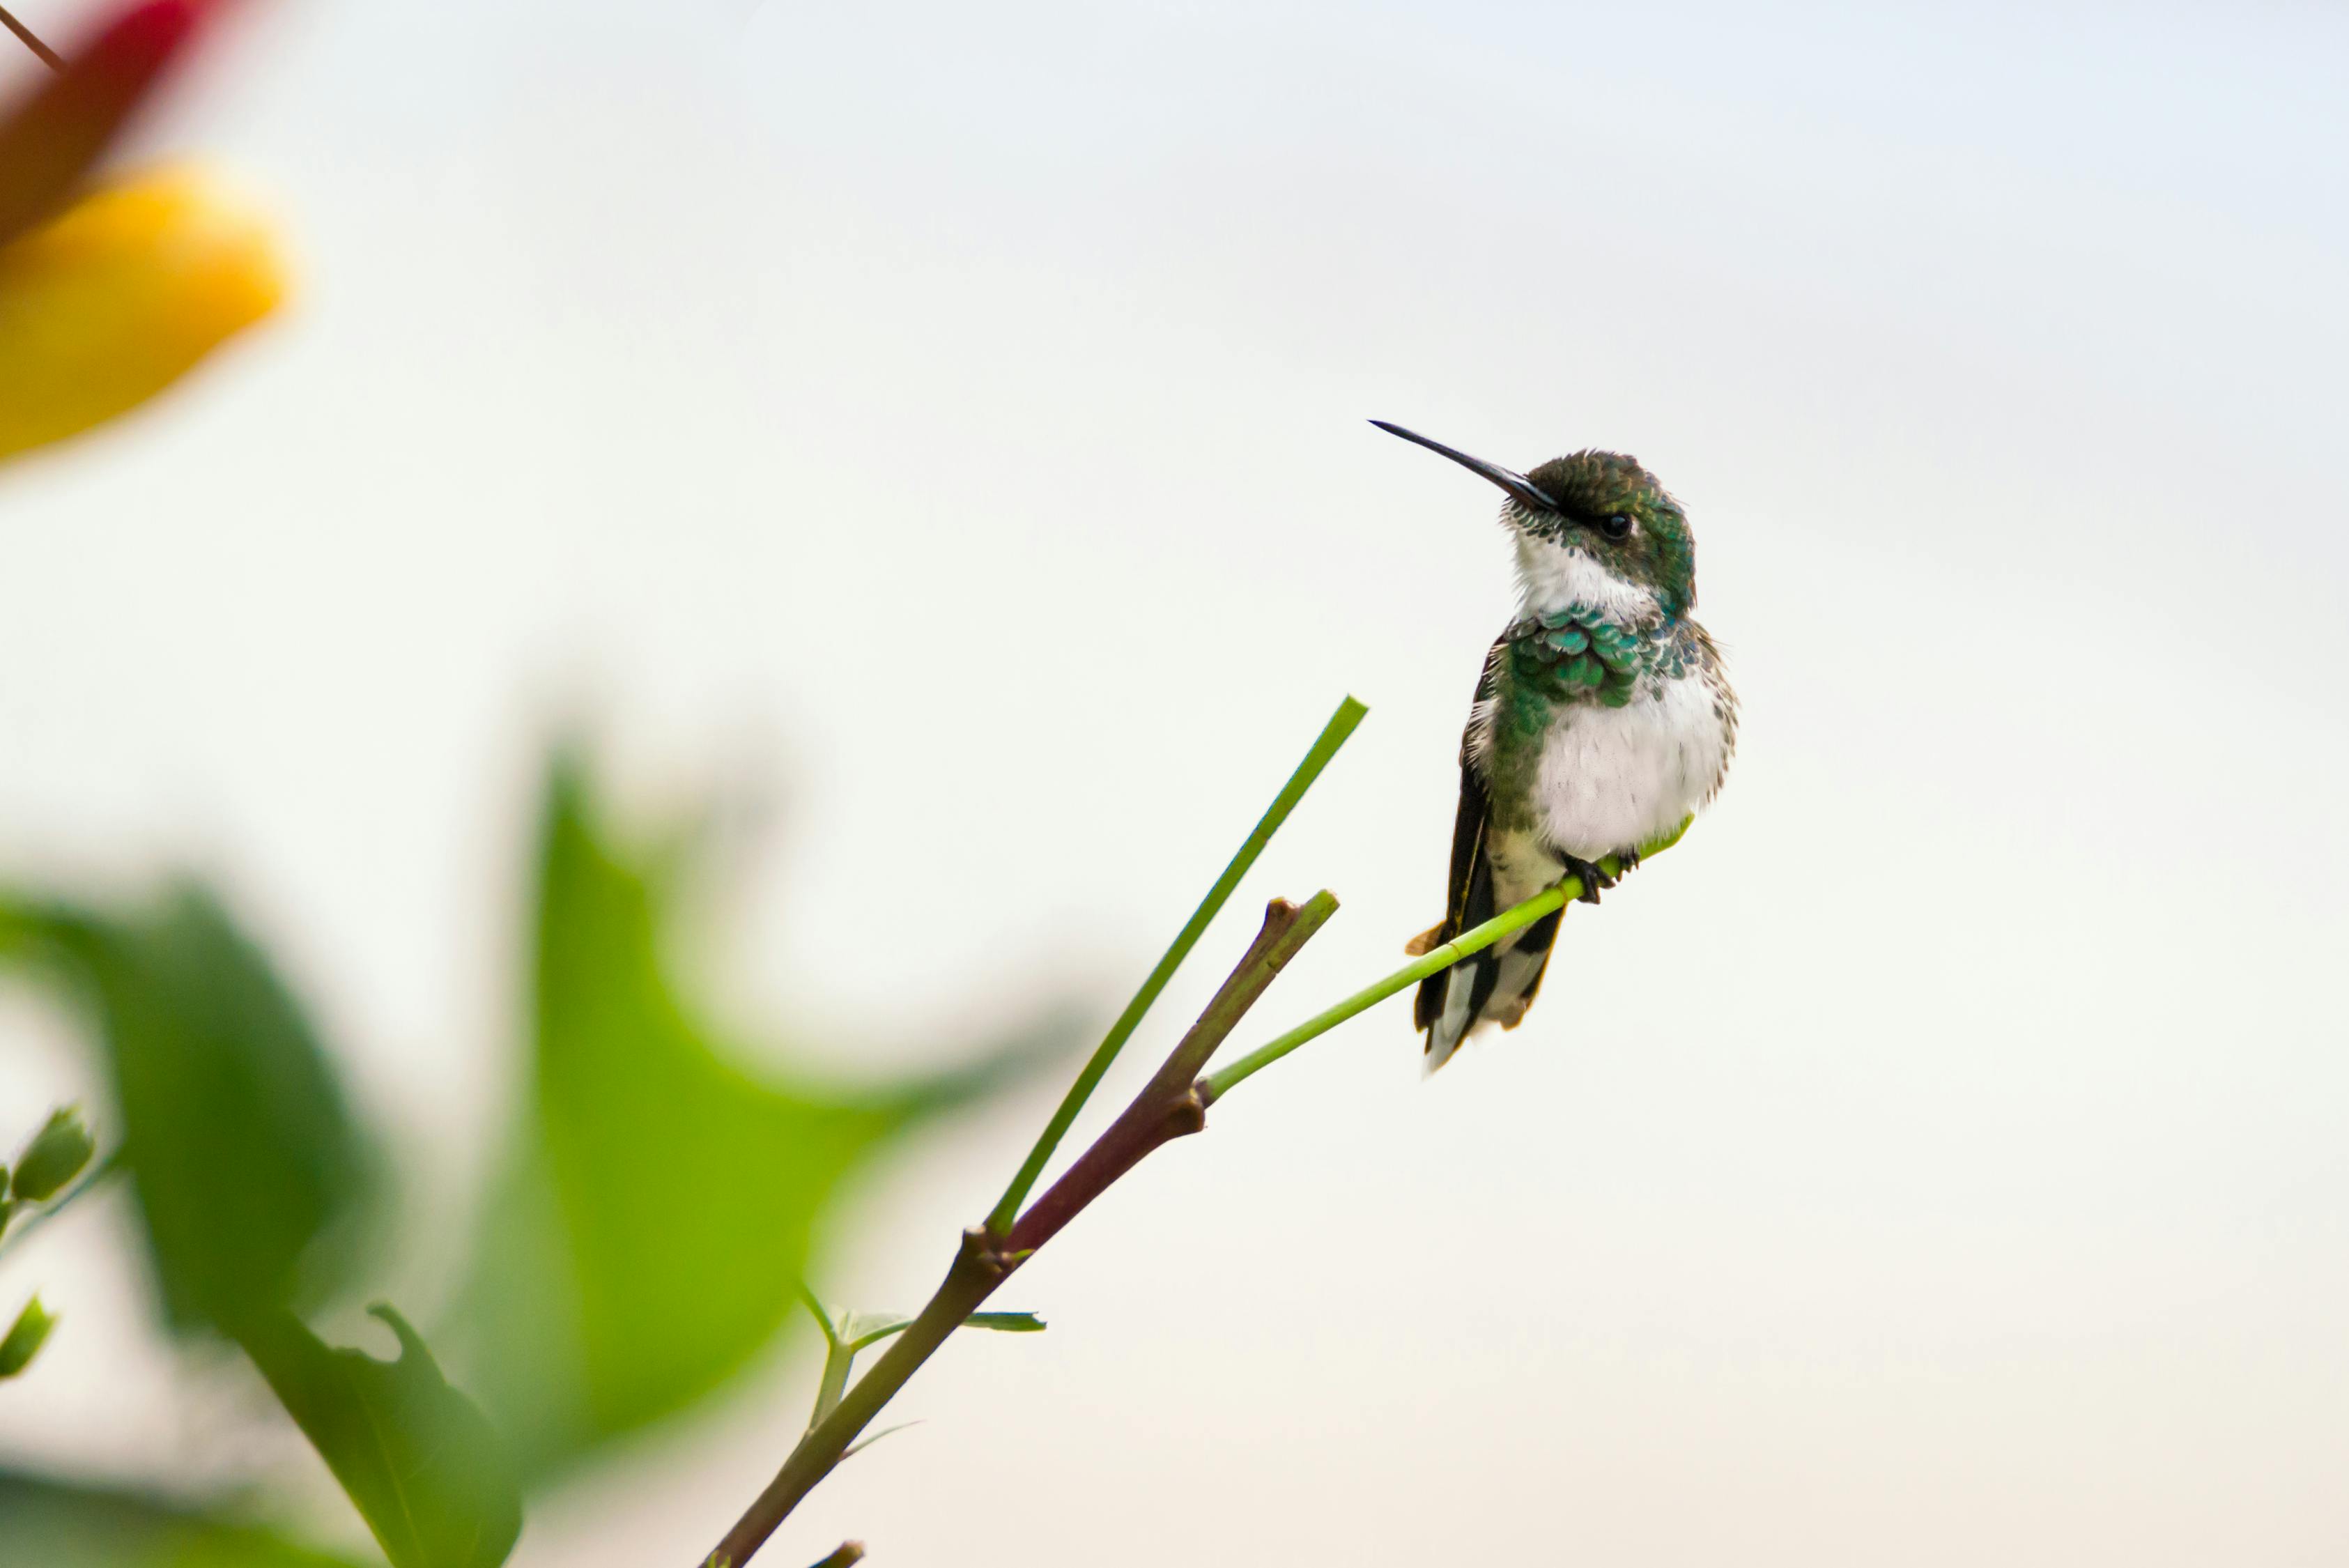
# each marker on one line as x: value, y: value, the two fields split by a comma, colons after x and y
x: 982, y: 1252
x: 1187, y: 1114
x: 1172, y: 1105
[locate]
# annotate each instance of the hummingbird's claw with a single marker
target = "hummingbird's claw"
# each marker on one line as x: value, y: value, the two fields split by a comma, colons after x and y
x: 1593, y: 880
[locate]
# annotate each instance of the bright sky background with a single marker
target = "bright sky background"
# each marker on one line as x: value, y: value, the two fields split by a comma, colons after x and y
x: 951, y: 418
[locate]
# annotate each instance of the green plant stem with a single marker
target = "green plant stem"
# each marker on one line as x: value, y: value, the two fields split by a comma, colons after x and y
x: 1166, y: 1108
x: 842, y: 1348
x: 838, y: 1357
x: 1172, y: 1105
x: 1001, y: 1322
x: 1169, y: 1106
x: 823, y: 1316
x: 847, y: 1552
x: 1216, y: 1085
x: 838, y: 1361
x: 1333, y: 736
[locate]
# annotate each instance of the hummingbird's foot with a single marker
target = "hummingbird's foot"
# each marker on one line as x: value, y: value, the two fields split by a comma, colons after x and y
x: 1588, y: 874
x: 1629, y: 860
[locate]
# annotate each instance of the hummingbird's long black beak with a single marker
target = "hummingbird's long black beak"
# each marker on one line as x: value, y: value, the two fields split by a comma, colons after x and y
x: 1516, y: 483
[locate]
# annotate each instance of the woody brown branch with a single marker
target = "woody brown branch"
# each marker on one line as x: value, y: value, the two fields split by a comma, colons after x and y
x: 1167, y: 1107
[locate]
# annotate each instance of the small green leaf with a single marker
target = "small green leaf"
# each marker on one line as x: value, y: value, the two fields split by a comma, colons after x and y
x: 24, y: 1338
x: 418, y: 1459
x: 860, y: 1330
x: 235, y: 1128
x: 56, y: 1525
x: 870, y: 1439
x: 53, y: 1157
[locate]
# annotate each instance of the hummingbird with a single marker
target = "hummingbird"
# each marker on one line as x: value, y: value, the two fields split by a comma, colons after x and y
x: 1603, y: 720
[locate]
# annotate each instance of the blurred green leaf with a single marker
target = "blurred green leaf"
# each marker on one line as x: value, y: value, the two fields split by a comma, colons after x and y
x: 55, y: 1156
x: 55, y: 1525
x: 418, y: 1457
x: 660, y: 1200
x: 24, y: 1338
x: 234, y: 1126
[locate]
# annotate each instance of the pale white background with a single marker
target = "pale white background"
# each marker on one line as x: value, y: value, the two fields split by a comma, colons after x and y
x: 949, y: 419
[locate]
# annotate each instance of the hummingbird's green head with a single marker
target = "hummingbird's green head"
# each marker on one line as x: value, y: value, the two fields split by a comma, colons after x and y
x: 1587, y: 509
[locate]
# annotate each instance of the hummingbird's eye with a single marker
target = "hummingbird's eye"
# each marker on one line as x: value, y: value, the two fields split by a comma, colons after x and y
x: 1616, y: 526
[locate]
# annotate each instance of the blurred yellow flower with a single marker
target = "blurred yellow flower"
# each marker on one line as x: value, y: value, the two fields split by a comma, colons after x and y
x: 127, y: 290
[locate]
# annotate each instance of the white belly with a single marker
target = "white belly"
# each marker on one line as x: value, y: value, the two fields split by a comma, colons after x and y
x: 1615, y: 778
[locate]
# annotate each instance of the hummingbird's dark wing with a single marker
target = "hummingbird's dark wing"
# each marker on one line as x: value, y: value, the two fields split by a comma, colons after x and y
x: 1497, y: 984
x: 1468, y: 901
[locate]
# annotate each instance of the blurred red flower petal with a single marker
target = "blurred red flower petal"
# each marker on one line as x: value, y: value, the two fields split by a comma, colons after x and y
x: 49, y: 142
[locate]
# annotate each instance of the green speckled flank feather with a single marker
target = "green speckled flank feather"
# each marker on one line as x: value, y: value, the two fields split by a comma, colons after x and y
x: 1577, y: 654
x: 1566, y: 658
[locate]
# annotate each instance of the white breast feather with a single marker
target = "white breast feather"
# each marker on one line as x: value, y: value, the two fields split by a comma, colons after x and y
x: 1615, y: 778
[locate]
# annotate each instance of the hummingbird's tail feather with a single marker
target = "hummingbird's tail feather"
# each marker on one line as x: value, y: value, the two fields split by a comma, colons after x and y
x: 1496, y: 986
x: 1450, y: 1000
x: 1455, y: 1011
x: 1522, y: 966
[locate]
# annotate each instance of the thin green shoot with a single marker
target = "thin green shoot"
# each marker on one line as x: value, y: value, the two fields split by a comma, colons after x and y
x: 1216, y: 1085
x: 1333, y: 736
